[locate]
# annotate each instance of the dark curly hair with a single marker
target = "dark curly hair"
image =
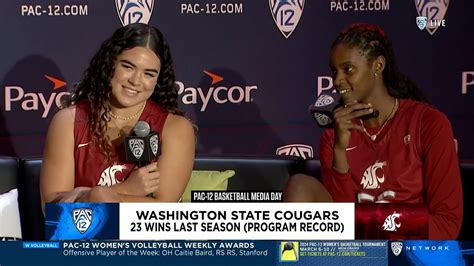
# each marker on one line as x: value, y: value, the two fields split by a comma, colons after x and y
x: 95, y: 84
x: 372, y: 41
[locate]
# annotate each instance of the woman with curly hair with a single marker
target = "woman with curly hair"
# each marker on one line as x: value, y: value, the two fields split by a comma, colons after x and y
x: 388, y: 145
x: 130, y: 79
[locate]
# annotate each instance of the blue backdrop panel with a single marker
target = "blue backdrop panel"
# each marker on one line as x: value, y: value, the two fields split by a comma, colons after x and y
x: 269, y: 76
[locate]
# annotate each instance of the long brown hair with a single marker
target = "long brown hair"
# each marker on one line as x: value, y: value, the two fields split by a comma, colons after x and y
x: 95, y: 84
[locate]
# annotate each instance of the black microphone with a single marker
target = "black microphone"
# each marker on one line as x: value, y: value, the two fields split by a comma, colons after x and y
x: 143, y: 145
x: 323, y: 108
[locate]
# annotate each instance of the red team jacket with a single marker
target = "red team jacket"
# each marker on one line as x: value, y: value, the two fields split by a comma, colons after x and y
x: 91, y: 167
x: 413, y: 160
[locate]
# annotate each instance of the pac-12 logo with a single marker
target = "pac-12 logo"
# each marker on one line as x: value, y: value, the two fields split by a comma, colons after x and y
x: 137, y: 146
x: 82, y: 219
x: 396, y: 247
x: 154, y: 144
x: 134, y: 11
x: 300, y: 150
x: 431, y: 14
x: 421, y: 22
x: 286, y: 14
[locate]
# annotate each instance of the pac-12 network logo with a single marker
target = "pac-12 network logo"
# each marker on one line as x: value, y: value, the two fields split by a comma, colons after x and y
x: 396, y: 247
x: 286, y: 14
x: 134, y: 11
x: 431, y: 14
x: 421, y: 22
x: 82, y: 219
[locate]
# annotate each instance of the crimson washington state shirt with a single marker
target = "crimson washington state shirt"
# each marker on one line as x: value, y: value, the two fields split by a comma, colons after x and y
x: 91, y: 167
x: 413, y: 160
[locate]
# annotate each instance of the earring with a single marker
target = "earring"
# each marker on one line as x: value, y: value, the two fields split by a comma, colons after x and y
x: 376, y: 74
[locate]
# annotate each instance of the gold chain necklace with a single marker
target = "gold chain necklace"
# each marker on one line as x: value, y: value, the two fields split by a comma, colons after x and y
x: 373, y: 137
x: 127, y: 117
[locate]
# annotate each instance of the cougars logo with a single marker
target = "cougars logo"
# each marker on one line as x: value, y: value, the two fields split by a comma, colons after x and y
x: 107, y: 178
x: 390, y: 224
x: 370, y: 180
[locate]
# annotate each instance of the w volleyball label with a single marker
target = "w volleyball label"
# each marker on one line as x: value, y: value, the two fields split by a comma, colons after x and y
x: 286, y: 14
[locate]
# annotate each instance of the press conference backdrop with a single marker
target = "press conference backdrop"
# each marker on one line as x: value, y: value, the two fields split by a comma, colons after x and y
x: 247, y: 70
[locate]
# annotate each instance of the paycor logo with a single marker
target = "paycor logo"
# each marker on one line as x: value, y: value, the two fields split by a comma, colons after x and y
x: 217, y: 94
x: 32, y: 101
x: 324, y: 84
x: 467, y: 81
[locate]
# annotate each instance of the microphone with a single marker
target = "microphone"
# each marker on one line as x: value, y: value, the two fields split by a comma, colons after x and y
x: 323, y: 108
x: 143, y: 146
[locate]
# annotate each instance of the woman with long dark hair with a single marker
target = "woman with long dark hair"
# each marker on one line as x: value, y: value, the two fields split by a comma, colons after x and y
x: 130, y: 79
